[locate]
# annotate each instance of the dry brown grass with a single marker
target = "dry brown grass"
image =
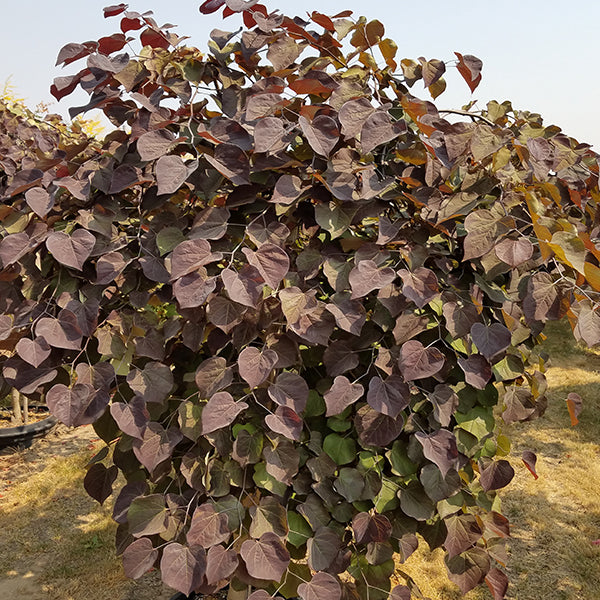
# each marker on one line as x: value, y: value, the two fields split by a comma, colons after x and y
x: 57, y: 544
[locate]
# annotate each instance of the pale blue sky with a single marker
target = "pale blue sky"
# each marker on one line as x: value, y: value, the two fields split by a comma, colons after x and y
x: 541, y: 55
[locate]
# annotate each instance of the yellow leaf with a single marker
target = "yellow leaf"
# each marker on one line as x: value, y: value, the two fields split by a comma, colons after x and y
x: 592, y: 275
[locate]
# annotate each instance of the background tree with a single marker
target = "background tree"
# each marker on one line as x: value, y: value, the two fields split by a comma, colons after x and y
x: 297, y: 302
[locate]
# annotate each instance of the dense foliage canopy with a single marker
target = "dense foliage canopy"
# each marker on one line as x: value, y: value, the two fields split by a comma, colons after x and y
x: 297, y: 302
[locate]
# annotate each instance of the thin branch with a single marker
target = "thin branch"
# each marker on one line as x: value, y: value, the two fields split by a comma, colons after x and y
x: 466, y: 113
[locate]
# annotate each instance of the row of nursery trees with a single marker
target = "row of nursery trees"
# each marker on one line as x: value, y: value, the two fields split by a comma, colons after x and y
x: 298, y: 303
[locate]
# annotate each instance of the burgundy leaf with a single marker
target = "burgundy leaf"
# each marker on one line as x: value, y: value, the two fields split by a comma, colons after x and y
x: 322, y: 134
x: 139, y: 557
x: 323, y: 548
x: 193, y: 289
x: 400, y: 592
x: 291, y: 390
x: 463, y: 532
x: 72, y: 52
x: 408, y: 325
x: 496, y: 475
x: 287, y: 189
x: 40, y: 201
x: 268, y: 134
x: 272, y: 263
x: 183, y: 568
x: 98, y: 481
x: 469, y: 67
x: 232, y: 162
x: 376, y: 429
x: 210, y: 223
x: 459, y: 318
x: 353, y: 115
x: 78, y: 405
x: 341, y: 395
x: 71, y: 250
x: 477, y: 370
x: 491, y: 340
x: 445, y: 402
x: 15, y: 246
x: 34, y: 352
x: 125, y: 177
x: 587, y: 328
x: 518, y: 405
x: 154, y: 382
x: 256, y: 366
x: 22, y: 181
x: 421, y: 286
x: 544, y: 299
x: 529, y: 458
x: 171, y: 172
x: 109, y: 266
x: 230, y: 131
x: 220, y: 564
x: 388, y: 396
x: 367, y: 276
x: 350, y: 315
x: 129, y: 492
x: 156, y: 445
x: 265, y: 558
x: 514, y: 252
x: 211, y: 6
x: 322, y: 586
x: 371, y: 528
x: 285, y: 422
x: 378, y: 129
x: 244, y: 287
x: 132, y: 417
x: 224, y: 313
x: 100, y: 376
x: 111, y: 11
x: 208, y: 527
x: 220, y: 411
x: 262, y: 105
x: 111, y: 43
x: 213, y: 375
x: 339, y: 358
x: 440, y: 448
x: 418, y: 362
x: 497, y: 581
x: 282, y: 460
x: 189, y: 255
x: 468, y: 570
x: 154, y: 144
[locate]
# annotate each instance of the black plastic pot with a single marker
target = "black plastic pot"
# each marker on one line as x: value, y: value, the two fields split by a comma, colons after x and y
x: 23, y: 435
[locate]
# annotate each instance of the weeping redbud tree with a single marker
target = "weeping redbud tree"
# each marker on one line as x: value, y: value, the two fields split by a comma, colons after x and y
x: 298, y: 303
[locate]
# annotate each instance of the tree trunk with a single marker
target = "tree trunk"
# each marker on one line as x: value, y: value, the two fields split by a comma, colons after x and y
x: 25, y: 409
x: 16, y: 404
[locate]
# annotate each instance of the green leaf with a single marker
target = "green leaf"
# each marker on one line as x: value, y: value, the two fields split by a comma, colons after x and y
x: 387, y: 499
x: 479, y: 421
x: 168, y: 238
x: 299, y: 529
x: 341, y: 450
x: 263, y: 480
x: 399, y: 460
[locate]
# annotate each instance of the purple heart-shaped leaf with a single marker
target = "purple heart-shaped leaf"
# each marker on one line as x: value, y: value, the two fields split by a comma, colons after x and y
x: 34, y: 352
x: 71, y: 250
x: 255, y: 366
